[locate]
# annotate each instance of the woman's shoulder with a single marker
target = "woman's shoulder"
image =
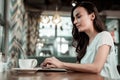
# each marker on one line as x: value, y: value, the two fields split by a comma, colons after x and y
x: 104, y: 37
x: 105, y: 34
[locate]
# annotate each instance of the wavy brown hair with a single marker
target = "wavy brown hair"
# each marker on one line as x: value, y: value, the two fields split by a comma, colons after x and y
x: 81, y: 39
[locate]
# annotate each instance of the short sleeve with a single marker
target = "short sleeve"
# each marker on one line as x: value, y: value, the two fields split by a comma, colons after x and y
x: 105, y: 38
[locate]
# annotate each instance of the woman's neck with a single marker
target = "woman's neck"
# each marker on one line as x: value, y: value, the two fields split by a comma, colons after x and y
x: 92, y: 35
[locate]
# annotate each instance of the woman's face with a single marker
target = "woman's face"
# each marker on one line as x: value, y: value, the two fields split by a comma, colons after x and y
x: 82, y: 20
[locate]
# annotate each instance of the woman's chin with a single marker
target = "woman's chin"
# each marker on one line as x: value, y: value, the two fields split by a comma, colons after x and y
x: 79, y: 30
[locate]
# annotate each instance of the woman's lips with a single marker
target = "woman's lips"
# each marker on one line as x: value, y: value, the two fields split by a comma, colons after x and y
x: 77, y: 26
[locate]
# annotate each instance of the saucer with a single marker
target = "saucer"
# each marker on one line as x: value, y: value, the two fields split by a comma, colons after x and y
x: 28, y: 70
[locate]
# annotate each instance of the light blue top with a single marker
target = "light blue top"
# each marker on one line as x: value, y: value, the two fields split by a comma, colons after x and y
x: 110, y: 67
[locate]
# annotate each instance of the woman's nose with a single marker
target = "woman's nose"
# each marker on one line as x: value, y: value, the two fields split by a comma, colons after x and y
x: 75, y: 21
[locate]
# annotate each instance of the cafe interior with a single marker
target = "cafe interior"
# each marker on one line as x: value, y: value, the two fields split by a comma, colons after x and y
x: 42, y: 28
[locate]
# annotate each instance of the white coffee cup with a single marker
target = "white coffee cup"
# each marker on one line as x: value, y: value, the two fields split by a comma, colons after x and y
x: 27, y: 63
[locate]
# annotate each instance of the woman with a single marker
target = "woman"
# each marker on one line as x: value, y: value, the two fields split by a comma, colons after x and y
x: 95, y: 47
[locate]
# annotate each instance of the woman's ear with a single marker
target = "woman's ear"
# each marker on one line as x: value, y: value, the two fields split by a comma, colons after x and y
x: 92, y: 16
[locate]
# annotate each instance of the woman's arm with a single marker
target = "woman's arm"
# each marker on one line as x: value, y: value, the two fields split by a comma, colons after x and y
x: 95, y: 67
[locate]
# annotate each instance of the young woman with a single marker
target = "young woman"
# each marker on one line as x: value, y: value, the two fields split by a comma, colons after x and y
x: 95, y: 47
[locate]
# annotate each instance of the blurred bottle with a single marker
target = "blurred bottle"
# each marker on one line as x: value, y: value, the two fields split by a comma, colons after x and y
x: 1, y: 63
x: 11, y: 61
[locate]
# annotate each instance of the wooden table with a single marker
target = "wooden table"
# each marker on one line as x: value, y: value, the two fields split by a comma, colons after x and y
x: 50, y: 76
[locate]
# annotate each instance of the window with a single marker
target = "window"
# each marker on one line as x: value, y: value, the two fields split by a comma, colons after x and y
x: 55, y: 39
x: 1, y: 11
x: 1, y: 25
x: 1, y: 38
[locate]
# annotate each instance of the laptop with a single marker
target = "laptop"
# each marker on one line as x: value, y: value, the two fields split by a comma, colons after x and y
x: 51, y: 69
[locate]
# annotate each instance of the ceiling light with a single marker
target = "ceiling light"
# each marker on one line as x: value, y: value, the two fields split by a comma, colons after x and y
x: 74, y: 3
x: 45, y: 19
x: 56, y: 18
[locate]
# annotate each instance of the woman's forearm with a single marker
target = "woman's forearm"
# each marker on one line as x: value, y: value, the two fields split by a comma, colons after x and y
x: 91, y: 68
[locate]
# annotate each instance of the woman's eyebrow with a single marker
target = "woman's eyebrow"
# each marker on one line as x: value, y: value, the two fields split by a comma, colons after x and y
x: 77, y: 14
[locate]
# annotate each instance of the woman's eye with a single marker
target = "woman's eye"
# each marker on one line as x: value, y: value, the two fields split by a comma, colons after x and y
x: 78, y: 16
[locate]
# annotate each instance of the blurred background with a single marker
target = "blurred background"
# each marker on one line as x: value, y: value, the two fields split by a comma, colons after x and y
x: 42, y: 28
x: 66, y: 5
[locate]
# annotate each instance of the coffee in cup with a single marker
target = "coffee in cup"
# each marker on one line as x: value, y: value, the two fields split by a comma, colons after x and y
x: 27, y: 63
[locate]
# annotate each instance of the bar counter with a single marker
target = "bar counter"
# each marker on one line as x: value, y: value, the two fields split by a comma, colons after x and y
x: 11, y: 75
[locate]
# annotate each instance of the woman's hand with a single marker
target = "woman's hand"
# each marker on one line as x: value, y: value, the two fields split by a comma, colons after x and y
x: 52, y: 63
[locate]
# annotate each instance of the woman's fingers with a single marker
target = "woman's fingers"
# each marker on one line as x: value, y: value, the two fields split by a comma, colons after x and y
x: 52, y: 62
x: 50, y: 66
x: 46, y: 62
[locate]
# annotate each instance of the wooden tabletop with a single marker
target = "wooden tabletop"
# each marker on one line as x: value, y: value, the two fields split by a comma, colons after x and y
x: 49, y: 76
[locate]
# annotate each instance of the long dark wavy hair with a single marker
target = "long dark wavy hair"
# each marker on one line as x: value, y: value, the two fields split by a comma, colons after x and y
x: 81, y: 39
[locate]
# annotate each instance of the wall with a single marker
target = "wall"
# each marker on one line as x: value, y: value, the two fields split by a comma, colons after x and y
x: 17, y: 27
x: 21, y: 30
